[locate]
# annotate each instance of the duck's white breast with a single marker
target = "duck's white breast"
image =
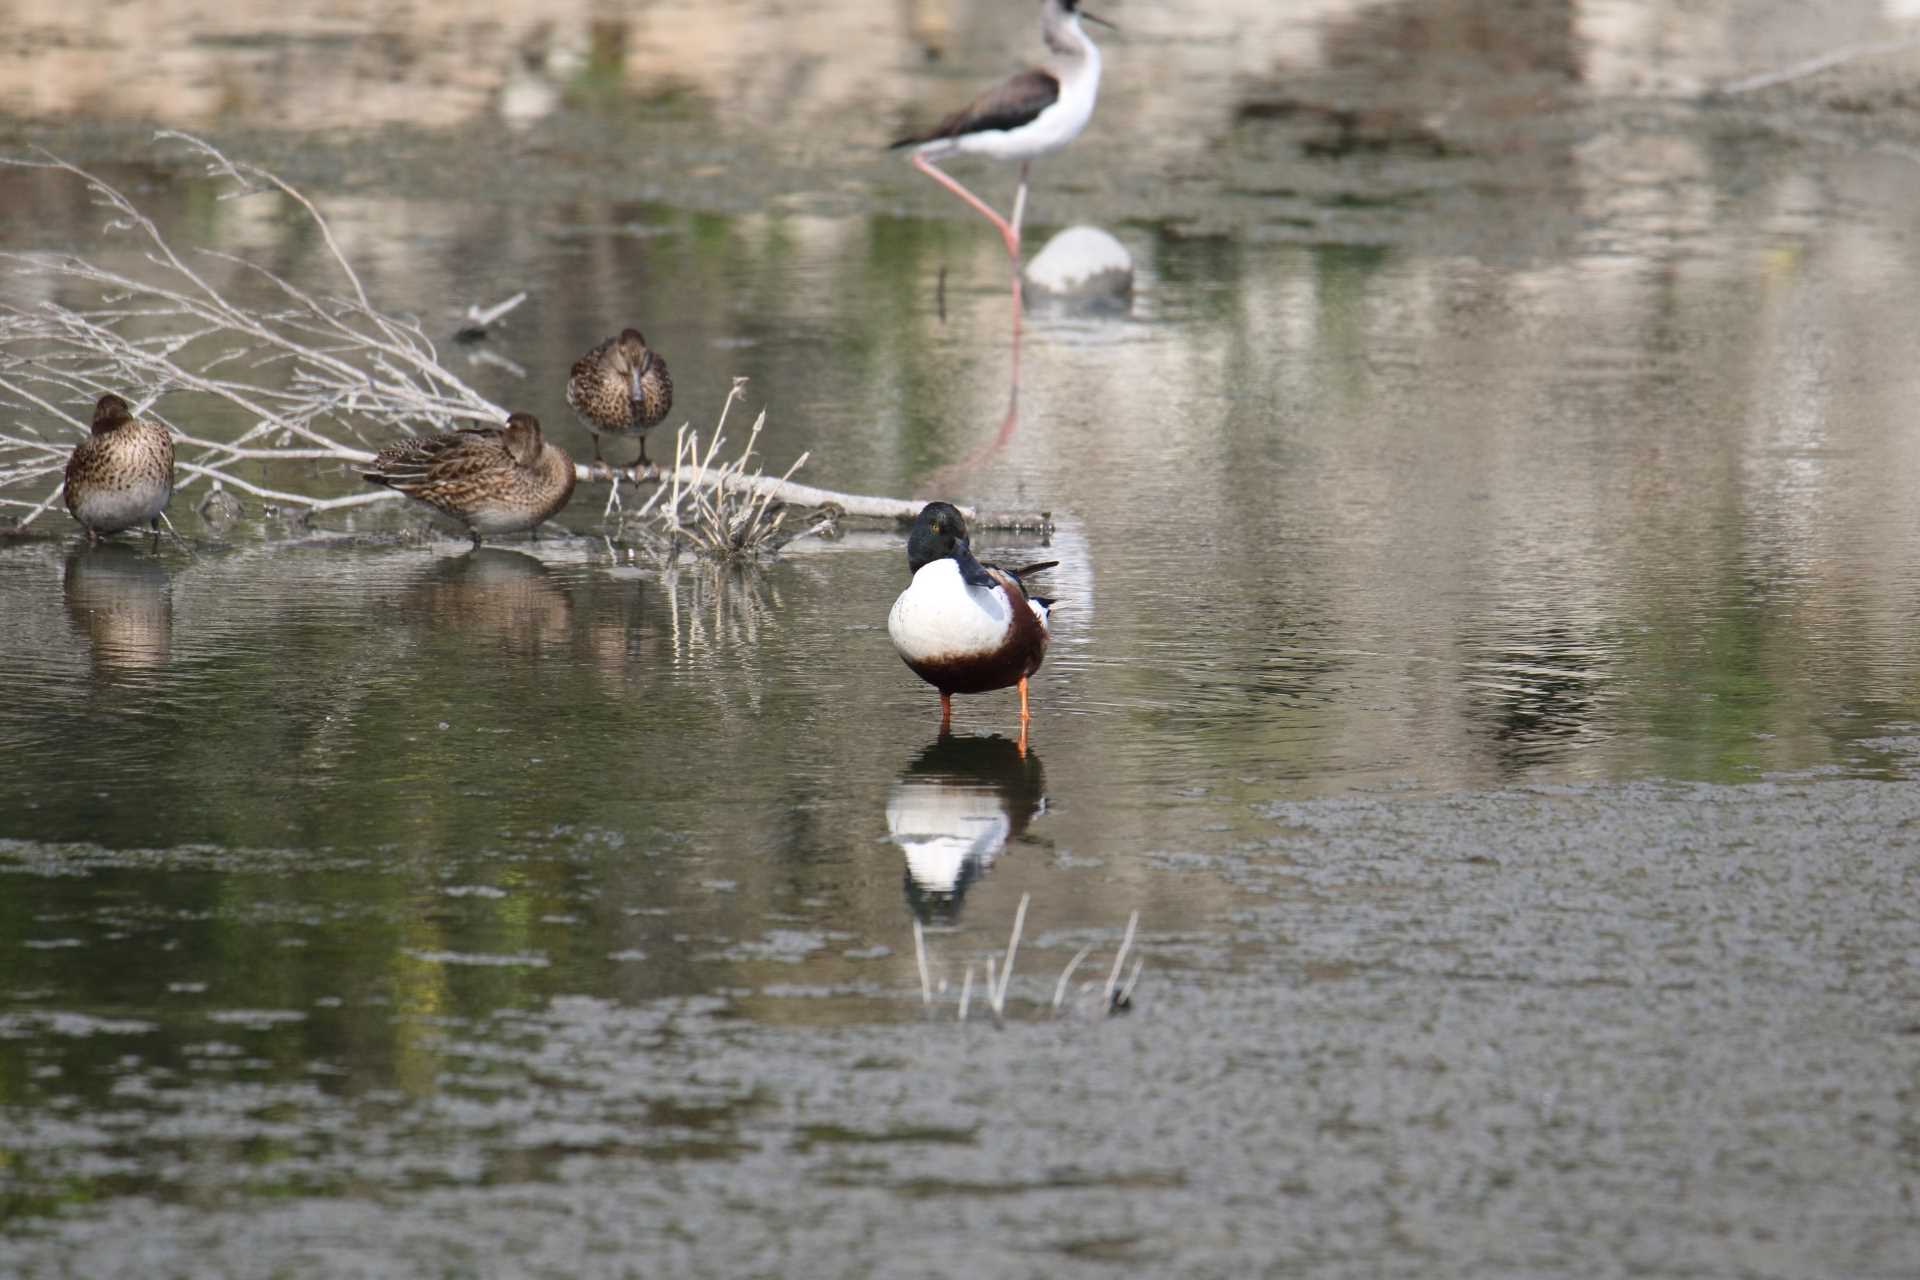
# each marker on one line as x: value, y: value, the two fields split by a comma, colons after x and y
x: 939, y: 616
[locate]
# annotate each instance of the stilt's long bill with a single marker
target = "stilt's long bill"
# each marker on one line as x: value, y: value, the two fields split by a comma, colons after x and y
x: 1038, y: 111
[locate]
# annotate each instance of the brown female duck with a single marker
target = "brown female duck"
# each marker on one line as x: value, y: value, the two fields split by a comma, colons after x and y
x: 122, y: 474
x: 621, y: 387
x: 491, y: 479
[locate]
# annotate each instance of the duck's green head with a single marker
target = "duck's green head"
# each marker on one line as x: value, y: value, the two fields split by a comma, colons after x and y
x: 940, y: 533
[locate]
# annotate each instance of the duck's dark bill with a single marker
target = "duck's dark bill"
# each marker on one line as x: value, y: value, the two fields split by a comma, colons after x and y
x: 971, y: 571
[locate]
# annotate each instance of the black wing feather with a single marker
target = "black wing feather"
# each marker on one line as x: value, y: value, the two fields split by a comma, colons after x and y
x: 1021, y: 573
x: 1008, y: 105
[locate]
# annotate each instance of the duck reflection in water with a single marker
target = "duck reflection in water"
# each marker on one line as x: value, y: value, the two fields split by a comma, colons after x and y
x: 505, y: 596
x: 121, y: 600
x: 952, y: 811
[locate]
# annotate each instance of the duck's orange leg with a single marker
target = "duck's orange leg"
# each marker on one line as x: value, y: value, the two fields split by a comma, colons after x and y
x: 1025, y: 715
x: 946, y: 711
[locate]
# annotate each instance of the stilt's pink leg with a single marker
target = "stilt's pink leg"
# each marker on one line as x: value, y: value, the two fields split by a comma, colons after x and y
x: 1007, y: 233
x: 1019, y: 212
x: 1013, y: 241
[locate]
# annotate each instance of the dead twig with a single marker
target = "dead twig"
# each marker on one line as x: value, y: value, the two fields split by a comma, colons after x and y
x: 1013, y: 949
x: 314, y: 374
x: 1119, y: 959
x: 1815, y: 65
x: 1114, y: 996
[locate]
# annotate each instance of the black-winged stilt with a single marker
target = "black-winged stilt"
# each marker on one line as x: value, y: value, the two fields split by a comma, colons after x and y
x: 1030, y: 114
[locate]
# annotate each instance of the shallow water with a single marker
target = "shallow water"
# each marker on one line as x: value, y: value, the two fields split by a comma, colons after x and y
x: 1484, y: 660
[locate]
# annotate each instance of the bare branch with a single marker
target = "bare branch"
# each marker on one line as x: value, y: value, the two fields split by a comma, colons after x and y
x: 1815, y: 65
x: 314, y: 375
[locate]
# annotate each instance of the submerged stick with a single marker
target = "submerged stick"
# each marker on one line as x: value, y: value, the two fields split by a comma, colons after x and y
x: 481, y: 317
x: 1113, y: 978
x: 920, y: 957
x: 1060, y: 987
x: 1125, y: 999
x: 1013, y: 948
x: 1815, y: 65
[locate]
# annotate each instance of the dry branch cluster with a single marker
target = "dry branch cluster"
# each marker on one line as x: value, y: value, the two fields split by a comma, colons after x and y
x: 713, y: 505
x: 312, y: 373
x: 1115, y: 996
x: 318, y: 376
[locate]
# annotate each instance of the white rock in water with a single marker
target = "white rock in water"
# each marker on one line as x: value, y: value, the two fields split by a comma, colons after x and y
x: 1082, y: 262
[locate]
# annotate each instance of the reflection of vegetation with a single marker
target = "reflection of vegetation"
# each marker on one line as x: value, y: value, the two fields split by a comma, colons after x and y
x: 602, y: 84
x: 1715, y: 723
x: 1541, y: 691
x: 351, y: 847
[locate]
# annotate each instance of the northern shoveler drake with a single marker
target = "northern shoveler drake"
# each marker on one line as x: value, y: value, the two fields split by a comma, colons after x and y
x: 963, y: 626
x: 122, y: 474
x: 621, y: 387
x: 491, y: 479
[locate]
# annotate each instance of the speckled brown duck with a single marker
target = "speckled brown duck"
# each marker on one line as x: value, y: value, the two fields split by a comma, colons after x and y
x: 122, y: 474
x: 621, y: 388
x: 491, y: 479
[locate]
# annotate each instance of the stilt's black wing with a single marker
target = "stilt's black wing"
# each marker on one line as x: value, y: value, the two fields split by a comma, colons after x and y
x: 1008, y: 105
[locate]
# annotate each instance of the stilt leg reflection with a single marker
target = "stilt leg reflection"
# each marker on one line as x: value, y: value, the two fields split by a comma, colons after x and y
x: 948, y: 476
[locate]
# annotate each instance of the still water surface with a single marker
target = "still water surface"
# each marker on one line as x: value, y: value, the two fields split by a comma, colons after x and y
x: 1431, y: 583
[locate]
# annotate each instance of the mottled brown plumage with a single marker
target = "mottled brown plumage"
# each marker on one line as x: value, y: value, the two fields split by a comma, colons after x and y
x: 621, y: 387
x: 491, y: 479
x: 122, y: 474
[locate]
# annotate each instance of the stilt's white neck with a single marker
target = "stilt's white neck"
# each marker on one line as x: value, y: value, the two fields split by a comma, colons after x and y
x: 1076, y: 58
x: 1065, y: 38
